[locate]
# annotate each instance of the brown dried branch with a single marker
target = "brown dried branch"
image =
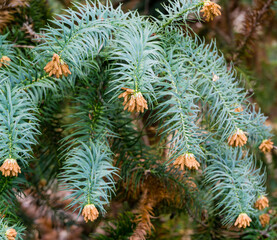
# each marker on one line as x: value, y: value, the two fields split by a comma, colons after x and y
x: 28, y: 28
x: 23, y: 46
x: 153, y: 192
x: 252, y: 21
x: 8, y: 8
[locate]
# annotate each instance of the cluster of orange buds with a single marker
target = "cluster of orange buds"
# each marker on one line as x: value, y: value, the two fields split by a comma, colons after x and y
x: 237, y: 139
x: 264, y: 219
x: 4, y: 61
x: 11, y: 234
x: 10, y: 168
x: 90, y: 212
x: 57, y: 67
x: 266, y: 146
x: 243, y: 221
x: 210, y: 10
x: 133, y: 101
x: 262, y: 203
x: 238, y: 109
x: 187, y: 160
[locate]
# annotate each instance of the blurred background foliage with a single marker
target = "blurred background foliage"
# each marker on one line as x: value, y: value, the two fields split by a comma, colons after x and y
x: 246, y: 33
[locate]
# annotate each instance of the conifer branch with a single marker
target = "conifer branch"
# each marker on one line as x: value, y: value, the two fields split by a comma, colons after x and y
x: 192, y: 100
x: 236, y: 182
x: 177, y: 10
x: 6, y: 226
x: 18, y: 124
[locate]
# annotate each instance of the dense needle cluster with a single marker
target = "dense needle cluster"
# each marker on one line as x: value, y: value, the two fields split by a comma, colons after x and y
x: 152, y: 58
x: 10, y: 168
x: 210, y: 10
x: 57, y: 67
x: 133, y: 101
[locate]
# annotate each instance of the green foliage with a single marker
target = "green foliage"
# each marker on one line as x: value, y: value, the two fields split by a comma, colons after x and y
x: 4, y: 227
x: 5, y: 47
x: 136, y: 52
x: 46, y: 157
x: 10, y: 189
x: 89, y: 175
x: 120, y: 229
x: 18, y: 124
x: 39, y: 13
x: 179, y: 112
x: 191, y: 94
x: 235, y: 181
x: 180, y: 11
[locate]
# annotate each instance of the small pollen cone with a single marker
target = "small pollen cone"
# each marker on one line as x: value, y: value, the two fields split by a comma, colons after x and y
x: 239, y: 109
x: 10, y: 168
x: 65, y: 69
x: 262, y: 203
x: 237, y: 139
x: 11, y: 234
x: 4, y: 61
x: 210, y: 10
x: 215, y: 77
x: 188, y: 160
x: 90, y: 212
x: 264, y: 219
x: 243, y: 221
x: 266, y: 146
x: 133, y: 102
x: 57, y: 67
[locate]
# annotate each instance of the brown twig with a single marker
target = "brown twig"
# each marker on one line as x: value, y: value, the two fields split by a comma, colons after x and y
x: 194, y: 217
x: 28, y: 29
x: 23, y: 46
x: 256, y: 20
x: 264, y: 233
